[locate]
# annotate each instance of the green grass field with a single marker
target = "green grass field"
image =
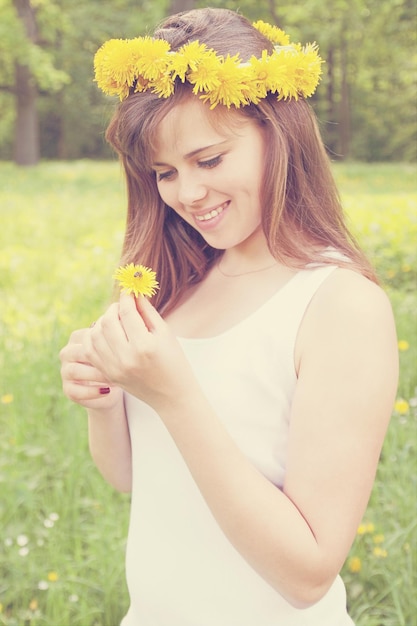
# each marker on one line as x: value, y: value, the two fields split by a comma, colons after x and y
x: 63, y: 528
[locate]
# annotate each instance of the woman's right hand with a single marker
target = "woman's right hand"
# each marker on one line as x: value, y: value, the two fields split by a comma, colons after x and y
x: 81, y: 382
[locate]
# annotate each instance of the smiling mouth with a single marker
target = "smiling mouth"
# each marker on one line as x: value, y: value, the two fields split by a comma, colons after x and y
x: 211, y: 214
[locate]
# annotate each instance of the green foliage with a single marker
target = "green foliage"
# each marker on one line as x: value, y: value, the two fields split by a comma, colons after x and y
x: 62, y: 229
x: 372, y: 41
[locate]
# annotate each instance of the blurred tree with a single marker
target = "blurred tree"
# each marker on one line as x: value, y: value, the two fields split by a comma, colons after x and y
x: 74, y: 128
x: 176, y: 6
x: 27, y: 69
x: 366, y: 102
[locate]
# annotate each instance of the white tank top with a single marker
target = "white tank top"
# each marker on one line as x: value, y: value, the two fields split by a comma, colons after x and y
x: 181, y: 570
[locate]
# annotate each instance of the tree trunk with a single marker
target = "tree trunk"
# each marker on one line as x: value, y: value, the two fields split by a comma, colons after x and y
x: 26, y: 138
x: 176, y: 6
x: 344, y: 115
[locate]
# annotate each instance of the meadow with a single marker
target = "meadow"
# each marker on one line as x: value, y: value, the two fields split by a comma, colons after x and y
x: 63, y: 528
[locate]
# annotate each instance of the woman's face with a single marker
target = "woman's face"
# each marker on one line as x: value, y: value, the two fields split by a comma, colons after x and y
x: 211, y: 176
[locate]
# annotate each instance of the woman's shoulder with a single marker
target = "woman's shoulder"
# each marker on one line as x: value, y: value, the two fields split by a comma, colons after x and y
x: 348, y: 290
x: 349, y: 311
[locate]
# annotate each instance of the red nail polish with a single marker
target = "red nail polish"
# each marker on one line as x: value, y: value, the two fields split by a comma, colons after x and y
x: 104, y: 390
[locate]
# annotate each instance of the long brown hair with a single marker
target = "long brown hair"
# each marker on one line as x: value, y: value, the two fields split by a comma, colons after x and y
x: 302, y: 213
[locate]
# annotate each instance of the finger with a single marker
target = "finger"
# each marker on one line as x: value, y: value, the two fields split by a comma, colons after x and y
x: 149, y: 314
x: 82, y: 394
x: 73, y: 352
x: 108, y: 335
x: 78, y: 335
x: 130, y: 317
x: 81, y: 373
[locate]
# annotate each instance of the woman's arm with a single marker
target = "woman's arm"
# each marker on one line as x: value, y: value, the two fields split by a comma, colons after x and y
x: 298, y: 538
x: 109, y: 437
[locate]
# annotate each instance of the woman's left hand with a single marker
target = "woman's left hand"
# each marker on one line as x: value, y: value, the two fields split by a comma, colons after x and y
x: 135, y: 349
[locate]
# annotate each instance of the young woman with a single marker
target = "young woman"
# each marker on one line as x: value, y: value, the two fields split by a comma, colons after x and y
x: 245, y: 406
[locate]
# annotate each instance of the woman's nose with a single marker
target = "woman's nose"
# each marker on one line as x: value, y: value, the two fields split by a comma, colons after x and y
x: 191, y: 189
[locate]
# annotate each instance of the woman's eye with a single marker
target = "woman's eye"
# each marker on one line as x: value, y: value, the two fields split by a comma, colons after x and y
x: 211, y: 162
x: 164, y: 175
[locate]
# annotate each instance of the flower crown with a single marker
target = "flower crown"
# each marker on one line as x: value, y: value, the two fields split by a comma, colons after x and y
x: 123, y: 66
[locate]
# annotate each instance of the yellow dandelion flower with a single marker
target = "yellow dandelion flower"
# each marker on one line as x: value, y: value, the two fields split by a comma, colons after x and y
x: 273, y: 33
x: 33, y: 605
x: 379, y: 538
x: 187, y: 58
x: 205, y: 76
x: 365, y: 528
x: 403, y: 345
x: 145, y: 63
x: 114, y: 65
x: 141, y: 84
x: 52, y: 577
x: 7, y: 398
x: 231, y: 88
x: 354, y: 564
x: 164, y: 86
x: 282, y: 73
x: 154, y: 60
x: 401, y: 406
x: 137, y: 279
x: 379, y: 552
x: 261, y: 76
x: 308, y: 70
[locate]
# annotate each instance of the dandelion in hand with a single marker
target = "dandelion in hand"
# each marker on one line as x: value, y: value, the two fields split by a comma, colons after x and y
x: 137, y: 279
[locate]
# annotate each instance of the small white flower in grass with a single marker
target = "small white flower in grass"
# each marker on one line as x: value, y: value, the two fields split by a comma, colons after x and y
x: 24, y: 551
x: 43, y: 585
x: 54, y: 517
x: 73, y: 598
x: 22, y: 540
x: 48, y: 523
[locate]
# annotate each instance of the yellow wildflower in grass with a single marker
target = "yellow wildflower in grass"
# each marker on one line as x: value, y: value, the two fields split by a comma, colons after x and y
x: 354, y: 564
x: 52, y: 577
x: 33, y: 605
x: 379, y: 538
x: 137, y: 279
x: 401, y: 406
x: 7, y: 398
x: 379, y: 552
x: 403, y: 345
x: 273, y: 33
x: 365, y: 528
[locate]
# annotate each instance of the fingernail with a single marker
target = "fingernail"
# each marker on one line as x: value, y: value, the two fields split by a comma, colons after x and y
x: 104, y: 390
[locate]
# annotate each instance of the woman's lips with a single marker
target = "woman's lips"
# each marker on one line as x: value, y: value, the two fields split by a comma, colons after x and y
x: 210, y: 215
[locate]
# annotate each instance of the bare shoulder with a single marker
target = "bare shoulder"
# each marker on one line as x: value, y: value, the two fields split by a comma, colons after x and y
x: 347, y: 293
x: 350, y: 312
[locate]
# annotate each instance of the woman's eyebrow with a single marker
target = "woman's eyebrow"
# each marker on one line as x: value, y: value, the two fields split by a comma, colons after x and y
x: 194, y: 153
